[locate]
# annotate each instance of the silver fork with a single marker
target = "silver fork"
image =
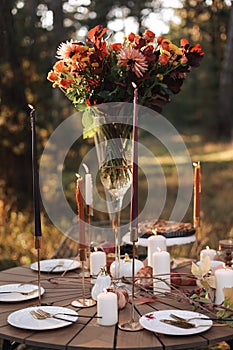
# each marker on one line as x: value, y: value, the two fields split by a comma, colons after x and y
x: 42, y: 315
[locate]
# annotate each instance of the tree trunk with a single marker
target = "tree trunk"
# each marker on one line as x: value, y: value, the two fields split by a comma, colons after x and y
x: 225, y: 105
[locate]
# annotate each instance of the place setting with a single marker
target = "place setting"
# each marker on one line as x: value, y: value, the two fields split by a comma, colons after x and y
x: 176, y: 322
x: 19, y: 292
x: 43, y: 318
x: 56, y: 265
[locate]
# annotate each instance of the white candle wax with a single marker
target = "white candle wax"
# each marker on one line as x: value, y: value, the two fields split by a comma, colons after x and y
x: 224, y: 279
x: 155, y: 242
x: 97, y: 261
x: 107, y: 308
x: 161, y: 267
x: 207, y: 252
x: 88, y: 190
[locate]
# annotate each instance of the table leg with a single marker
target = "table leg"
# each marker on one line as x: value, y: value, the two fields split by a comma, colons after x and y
x: 9, y: 345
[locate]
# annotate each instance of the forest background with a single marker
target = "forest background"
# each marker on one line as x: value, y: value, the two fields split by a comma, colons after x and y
x: 202, y: 113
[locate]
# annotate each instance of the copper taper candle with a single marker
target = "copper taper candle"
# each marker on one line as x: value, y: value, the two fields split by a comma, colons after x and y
x: 80, y: 206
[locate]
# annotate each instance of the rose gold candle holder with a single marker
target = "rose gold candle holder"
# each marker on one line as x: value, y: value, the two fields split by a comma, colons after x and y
x: 83, y: 302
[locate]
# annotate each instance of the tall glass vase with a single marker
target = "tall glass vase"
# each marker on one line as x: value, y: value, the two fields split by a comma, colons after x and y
x: 113, y: 142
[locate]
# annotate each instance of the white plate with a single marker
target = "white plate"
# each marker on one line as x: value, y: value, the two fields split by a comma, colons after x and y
x: 143, y: 242
x: 213, y: 263
x: 11, y: 297
x: 151, y: 322
x: 49, y: 264
x: 23, y: 319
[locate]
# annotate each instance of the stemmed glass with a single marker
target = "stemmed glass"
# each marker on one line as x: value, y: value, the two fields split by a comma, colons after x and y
x: 114, y: 152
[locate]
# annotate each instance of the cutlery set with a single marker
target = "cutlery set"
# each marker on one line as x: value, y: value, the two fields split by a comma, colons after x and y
x: 17, y: 291
x: 177, y: 321
x: 185, y: 322
x: 40, y: 314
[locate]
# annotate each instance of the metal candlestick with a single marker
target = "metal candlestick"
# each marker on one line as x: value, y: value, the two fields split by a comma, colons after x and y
x: 83, y: 302
x: 132, y: 325
x: 38, y: 247
x: 89, y: 214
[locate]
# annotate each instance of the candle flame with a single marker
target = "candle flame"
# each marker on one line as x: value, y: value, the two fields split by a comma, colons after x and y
x: 207, y: 247
x: 155, y: 231
x: 31, y: 106
x: 77, y: 175
x: 134, y: 85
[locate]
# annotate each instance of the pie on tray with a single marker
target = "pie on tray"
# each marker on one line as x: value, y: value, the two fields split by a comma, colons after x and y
x: 168, y: 229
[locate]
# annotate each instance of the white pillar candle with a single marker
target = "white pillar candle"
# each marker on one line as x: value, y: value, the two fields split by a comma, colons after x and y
x: 155, y: 242
x: 88, y: 190
x: 207, y: 252
x: 161, y: 267
x: 97, y: 261
x: 224, y: 279
x: 107, y: 308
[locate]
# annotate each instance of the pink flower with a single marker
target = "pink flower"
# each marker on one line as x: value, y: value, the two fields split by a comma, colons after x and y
x: 134, y: 60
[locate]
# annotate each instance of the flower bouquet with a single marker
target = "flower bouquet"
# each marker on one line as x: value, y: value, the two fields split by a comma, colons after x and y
x: 95, y: 73
x: 99, y: 71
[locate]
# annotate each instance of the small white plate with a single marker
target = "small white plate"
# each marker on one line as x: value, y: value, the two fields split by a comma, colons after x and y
x: 23, y: 319
x: 151, y: 322
x: 11, y: 297
x: 213, y: 263
x: 49, y: 265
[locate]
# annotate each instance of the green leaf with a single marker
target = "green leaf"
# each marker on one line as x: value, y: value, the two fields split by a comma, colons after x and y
x: 88, y: 122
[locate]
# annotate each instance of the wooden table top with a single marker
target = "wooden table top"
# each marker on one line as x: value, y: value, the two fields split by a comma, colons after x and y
x: 61, y: 291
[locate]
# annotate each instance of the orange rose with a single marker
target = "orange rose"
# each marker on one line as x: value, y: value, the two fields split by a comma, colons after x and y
x: 163, y: 59
x: 59, y: 66
x: 160, y: 39
x: 165, y: 44
x: 149, y: 35
x: 116, y: 46
x: 183, y: 42
x: 131, y: 37
x: 52, y: 76
x: 65, y: 83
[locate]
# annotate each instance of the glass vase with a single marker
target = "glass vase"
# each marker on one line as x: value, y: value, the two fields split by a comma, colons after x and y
x: 113, y: 142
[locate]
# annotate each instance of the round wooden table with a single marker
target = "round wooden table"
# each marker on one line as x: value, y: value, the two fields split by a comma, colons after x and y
x: 61, y: 291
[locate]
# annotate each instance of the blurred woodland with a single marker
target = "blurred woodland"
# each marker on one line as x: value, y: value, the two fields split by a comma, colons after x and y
x: 31, y: 31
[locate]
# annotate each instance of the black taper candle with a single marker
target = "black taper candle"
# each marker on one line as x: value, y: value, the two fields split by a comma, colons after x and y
x: 36, y: 191
x: 134, y: 191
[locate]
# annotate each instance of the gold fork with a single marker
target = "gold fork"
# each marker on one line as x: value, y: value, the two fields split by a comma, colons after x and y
x: 43, y: 315
x: 23, y: 293
x: 59, y: 264
x: 178, y: 318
